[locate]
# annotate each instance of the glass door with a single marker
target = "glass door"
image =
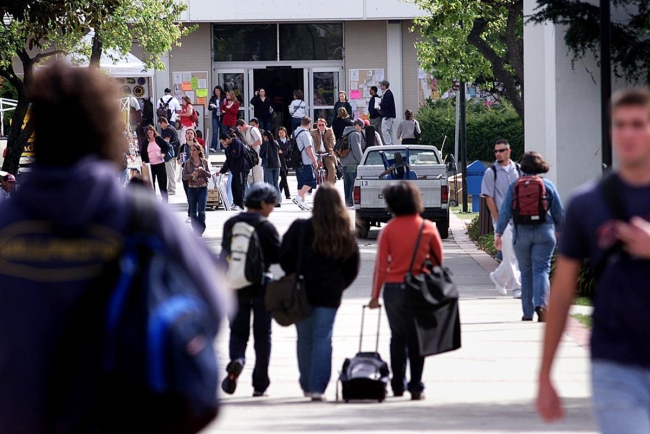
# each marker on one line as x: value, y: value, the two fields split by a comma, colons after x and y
x: 237, y: 81
x: 324, y: 89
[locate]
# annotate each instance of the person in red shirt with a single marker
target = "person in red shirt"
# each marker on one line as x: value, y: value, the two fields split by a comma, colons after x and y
x: 230, y: 110
x: 185, y: 118
x: 395, y: 249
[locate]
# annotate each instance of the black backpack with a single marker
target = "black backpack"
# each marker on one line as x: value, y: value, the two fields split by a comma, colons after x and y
x: 163, y: 110
x: 141, y: 339
x: 294, y: 153
x: 251, y: 155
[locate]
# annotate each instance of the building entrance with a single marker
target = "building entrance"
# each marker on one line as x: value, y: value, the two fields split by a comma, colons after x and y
x: 279, y: 83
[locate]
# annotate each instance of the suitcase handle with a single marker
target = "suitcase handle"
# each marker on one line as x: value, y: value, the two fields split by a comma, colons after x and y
x: 363, y: 315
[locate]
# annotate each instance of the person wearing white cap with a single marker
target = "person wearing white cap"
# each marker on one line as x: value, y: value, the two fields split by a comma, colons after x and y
x: 8, y: 183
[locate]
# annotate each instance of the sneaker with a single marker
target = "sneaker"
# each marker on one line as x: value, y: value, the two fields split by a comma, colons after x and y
x: 259, y: 393
x: 500, y: 289
x: 417, y: 396
x: 235, y: 208
x: 189, y: 220
x: 307, y: 394
x: 229, y: 384
x: 523, y: 318
x: 317, y: 397
x: 541, y: 313
x: 297, y: 200
x: 516, y: 293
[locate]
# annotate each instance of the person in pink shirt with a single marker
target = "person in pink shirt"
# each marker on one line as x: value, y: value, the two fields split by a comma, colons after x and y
x: 155, y: 150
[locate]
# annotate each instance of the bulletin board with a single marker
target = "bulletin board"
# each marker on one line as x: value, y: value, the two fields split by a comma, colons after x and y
x: 361, y: 80
x: 427, y: 87
x: 193, y: 84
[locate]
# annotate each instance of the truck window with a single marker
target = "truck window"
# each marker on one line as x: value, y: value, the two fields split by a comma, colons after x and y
x: 416, y: 156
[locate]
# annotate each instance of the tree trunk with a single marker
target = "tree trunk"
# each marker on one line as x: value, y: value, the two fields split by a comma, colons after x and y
x: 498, y: 63
x: 96, y: 54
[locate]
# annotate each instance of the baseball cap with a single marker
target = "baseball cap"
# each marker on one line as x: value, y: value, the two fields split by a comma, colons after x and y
x: 358, y: 122
x: 9, y: 178
x: 261, y: 192
x: 385, y: 83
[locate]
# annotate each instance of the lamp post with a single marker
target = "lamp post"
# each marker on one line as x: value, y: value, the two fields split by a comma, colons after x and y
x: 605, y: 82
x: 463, y: 142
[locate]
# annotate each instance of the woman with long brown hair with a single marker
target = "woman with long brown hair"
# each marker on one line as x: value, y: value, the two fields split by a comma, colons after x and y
x: 197, y: 173
x: 185, y: 117
x: 329, y: 262
x: 155, y: 151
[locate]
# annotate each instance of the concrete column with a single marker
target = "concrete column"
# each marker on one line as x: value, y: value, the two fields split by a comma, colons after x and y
x: 394, y: 63
x: 162, y: 79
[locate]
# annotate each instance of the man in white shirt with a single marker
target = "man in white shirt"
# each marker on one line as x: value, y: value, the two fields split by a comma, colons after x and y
x: 172, y: 103
x: 253, y: 138
x: 305, y: 175
x: 496, y: 181
x: 8, y: 184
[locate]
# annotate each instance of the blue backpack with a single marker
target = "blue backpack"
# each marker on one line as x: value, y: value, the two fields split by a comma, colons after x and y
x: 148, y: 343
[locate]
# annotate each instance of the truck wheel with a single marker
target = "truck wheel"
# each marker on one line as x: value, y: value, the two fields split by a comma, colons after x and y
x: 363, y: 228
x: 443, y: 228
x: 453, y: 203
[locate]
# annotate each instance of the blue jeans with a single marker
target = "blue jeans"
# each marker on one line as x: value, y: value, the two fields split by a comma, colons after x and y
x: 348, y: 185
x: 315, y: 349
x: 216, y: 131
x: 229, y: 189
x: 240, y: 328
x: 266, y: 124
x: 198, y: 197
x: 403, y: 341
x: 534, y: 246
x: 295, y: 123
x: 621, y: 397
x: 271, y: 176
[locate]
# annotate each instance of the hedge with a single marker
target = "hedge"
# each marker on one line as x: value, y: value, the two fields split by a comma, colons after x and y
x: 484, y: 126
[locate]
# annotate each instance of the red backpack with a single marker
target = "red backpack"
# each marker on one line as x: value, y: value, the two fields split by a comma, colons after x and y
x: 529, y: 202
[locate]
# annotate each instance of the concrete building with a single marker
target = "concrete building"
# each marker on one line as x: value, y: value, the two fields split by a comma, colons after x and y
x: 317, y: 47
x: 562, y: 104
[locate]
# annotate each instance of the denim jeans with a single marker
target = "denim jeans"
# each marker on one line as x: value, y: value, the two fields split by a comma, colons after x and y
x: 348, y: 185
x: 266, y: 124
x: 198, y: 198
x: 403, y: 341
x: 240, y: 327
x: 621, y: 397
x: 534, y: 246
x: 315, y: 349
x: 271, y: 177
x: 216, y: 131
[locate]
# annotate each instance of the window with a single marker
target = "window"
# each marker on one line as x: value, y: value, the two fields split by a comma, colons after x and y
x: 311, y: 41
x: 416, y: 156
x: 245, y: 42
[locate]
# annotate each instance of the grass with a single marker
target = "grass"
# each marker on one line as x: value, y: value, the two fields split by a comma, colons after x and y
x: 458, y: 210
x: 585, y: 320
x: 583, y: 301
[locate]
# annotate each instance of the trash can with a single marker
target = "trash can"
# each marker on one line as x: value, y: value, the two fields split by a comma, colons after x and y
x: 475, y: 172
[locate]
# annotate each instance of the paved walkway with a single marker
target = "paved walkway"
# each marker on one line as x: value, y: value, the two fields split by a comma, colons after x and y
x: 486, y: 386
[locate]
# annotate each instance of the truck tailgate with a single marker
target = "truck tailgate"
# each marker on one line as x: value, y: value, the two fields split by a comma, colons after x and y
x: 372, y: 197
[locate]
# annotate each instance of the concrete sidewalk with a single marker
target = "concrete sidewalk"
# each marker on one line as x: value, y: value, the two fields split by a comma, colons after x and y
x: 486, y: 386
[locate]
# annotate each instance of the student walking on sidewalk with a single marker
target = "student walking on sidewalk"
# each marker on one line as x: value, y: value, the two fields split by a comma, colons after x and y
x: 495, y: 184
x: 395, y: 251
x: 607, y: 223
x: 327, y: 248
x: 534, y: 241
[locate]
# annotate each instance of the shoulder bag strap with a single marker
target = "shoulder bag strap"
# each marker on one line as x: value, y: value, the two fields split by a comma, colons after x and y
x: 417, y: 246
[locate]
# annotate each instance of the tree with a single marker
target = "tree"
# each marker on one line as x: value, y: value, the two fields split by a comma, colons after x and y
x: 31, y: 32
x: 475, y: 41
x: 629, y: 37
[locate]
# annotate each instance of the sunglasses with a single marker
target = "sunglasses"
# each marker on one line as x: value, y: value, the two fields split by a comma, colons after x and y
x: 498, y: 151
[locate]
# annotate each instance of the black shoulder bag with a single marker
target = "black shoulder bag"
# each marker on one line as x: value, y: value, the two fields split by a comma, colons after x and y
x: 433, y: 297
x: 286, y: 298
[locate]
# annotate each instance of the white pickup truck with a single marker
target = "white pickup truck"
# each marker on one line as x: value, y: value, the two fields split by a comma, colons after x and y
x: 420, y: 164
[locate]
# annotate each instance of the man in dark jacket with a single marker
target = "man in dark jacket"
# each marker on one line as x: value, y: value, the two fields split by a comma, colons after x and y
x: 374, y: 114
x: 387, y: 110
x: 237, y: 164
x: 260, y: 202
x: 69, y: 220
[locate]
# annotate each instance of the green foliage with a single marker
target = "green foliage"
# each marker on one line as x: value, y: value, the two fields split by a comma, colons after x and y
x: 473, y: 229
x: 586, y: 281
x: 630, y: 45
x: 473, y: 41
x: 585, y: 320
x: 484, y: 126
x: 485, y: 242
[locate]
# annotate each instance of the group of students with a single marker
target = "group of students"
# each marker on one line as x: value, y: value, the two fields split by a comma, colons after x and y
x: 323, y: 249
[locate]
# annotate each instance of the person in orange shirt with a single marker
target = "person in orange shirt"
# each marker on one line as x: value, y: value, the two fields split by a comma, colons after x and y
x: 396, y: 244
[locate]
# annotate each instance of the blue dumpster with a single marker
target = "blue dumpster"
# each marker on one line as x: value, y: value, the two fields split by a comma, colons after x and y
x: 475, y: 172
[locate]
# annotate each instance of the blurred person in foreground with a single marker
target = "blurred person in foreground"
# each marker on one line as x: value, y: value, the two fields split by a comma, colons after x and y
x: 618, y: 252
x: 71, y: 199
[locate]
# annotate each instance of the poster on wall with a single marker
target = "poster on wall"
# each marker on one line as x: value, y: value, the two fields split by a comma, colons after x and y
x: 427, y: 87
x: 192, y: 84
x: 361, y: 80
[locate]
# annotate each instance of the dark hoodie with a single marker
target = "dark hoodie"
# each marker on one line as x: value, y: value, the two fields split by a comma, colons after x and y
x: 57, y: 231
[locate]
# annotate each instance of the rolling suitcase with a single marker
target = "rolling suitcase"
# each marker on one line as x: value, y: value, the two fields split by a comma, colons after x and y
x: 365, y: 376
